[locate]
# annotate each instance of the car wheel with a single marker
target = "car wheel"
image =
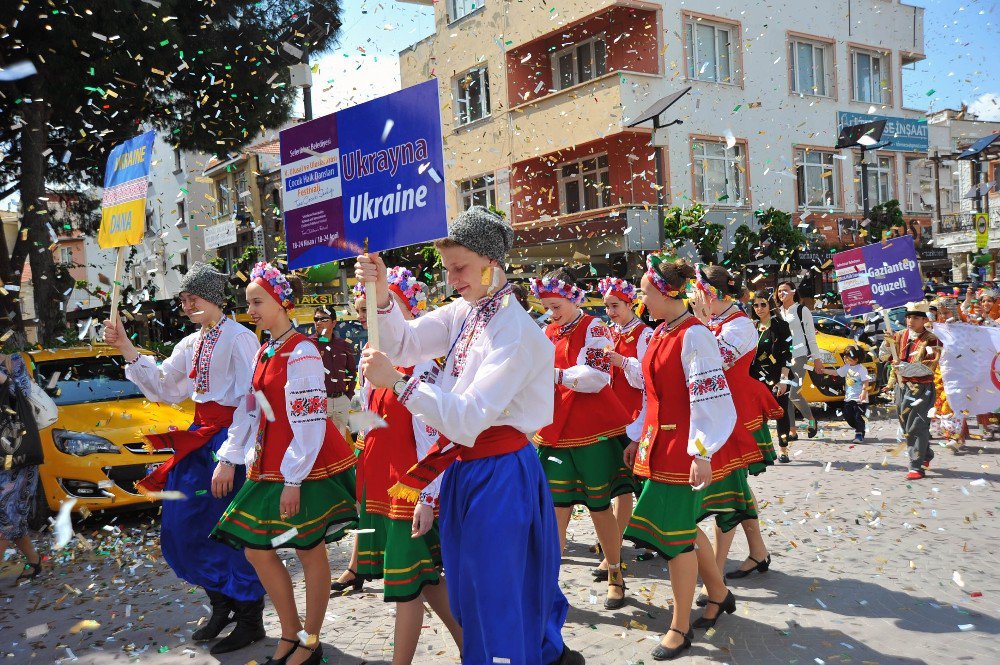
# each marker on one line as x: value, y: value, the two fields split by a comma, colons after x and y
x: 39, y: 512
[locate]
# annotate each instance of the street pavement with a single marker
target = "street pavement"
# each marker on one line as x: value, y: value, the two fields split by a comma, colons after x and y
x: 867, y: 568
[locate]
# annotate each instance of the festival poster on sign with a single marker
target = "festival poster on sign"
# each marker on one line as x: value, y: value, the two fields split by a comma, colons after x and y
x: 884, y: 275
x: 371, y: 173
x: 123, y: 204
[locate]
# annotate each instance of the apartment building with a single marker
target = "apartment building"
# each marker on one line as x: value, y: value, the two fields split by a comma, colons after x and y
x: 537, y: 99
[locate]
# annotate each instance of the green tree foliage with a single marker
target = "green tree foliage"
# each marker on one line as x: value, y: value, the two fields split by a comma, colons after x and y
x: 882, y: 218
x: 209, y: 75
x: 683, y: 224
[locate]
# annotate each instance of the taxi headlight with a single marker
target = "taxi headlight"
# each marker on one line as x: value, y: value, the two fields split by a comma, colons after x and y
x: 81, y: 443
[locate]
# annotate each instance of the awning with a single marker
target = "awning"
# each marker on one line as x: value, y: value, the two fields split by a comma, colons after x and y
x: 979, y: 146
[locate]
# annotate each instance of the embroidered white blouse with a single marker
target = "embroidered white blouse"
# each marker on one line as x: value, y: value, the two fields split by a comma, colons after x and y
x: 306, y: 384
x: 713, y: 413
x: 223, y: 374
x: 498, y: 369
x: 633, y: 366
x: 592, y: 371
x: 736, y: 338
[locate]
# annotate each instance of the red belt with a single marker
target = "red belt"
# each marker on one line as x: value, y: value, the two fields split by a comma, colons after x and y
x: 498, y: 440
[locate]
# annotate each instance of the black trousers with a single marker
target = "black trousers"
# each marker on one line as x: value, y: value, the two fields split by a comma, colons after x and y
x: 784, y: 426
x: 854, y: 414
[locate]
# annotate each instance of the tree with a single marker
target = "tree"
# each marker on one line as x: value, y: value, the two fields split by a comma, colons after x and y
x: 776, y: 238
x: 881, y: 220
x: 683, y: 224
x: 209, y: 75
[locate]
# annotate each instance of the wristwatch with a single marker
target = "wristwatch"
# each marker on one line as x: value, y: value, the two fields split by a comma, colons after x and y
x: 400, y: 385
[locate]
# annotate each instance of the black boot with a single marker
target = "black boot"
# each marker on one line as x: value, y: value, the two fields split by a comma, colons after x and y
x: 222, y: 616
x: 249, y: 627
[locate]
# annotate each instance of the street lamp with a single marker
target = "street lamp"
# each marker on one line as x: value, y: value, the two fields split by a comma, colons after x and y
x: 865, y: 136
x: 301, y: 33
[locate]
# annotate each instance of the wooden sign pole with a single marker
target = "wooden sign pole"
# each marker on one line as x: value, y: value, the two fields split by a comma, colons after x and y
x: 371, y: 315
x: 888, y: 331
x: 116, y: 289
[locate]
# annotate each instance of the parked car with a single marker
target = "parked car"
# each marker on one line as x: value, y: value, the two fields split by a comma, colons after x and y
x: 95, y: 451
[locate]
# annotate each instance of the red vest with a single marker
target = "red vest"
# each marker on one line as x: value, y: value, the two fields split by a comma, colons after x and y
x: 580, y: 419
x: 269, y: 377
x: 746, y: 397
x: 389, y: 452
x: 662, y: 454
x: 626, y: 344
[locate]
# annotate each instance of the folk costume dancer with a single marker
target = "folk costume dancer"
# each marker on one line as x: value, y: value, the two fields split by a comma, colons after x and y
x: 499, y: 539
x: 630, y: 336
x: 397, y: 541
x: 581, y: 451
x: 918, y: 350
x: 300, y: 471
x: 211, y: 367
x: 680, y: 445
x: 737, y: 339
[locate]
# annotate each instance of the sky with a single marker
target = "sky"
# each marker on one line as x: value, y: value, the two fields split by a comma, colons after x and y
x: 962, y: 43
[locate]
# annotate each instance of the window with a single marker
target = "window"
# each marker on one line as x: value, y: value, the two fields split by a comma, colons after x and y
x: 816, y: 173
x: 920, y: 195
x: 181, y: 213
x: 459, y: 8
x: 472, y: 93
x: 584, y: 184
x: 871, y: 77
x: 222, y: 197
x: 709, y: 50
x: 478, y: 192
x: 579, y: 63
x: 879, y: 181
x: 719, y: 173
x: 812, y: 68
x: 177, y: 160
x: 65, y: 255
x: 951, y: 187
x: 242, y: 191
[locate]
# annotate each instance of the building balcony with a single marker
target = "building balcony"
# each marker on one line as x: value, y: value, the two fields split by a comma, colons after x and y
x: 584, y: 112
x: 523, y: 23
x: 957, y: 232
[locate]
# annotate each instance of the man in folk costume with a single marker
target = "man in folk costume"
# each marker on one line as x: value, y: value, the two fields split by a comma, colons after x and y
x: 211, y: 367
x: 630, y: 337
x: 499, y: 538
x: 407, y: 558
x: 917, y: 352
x: 582, y: 450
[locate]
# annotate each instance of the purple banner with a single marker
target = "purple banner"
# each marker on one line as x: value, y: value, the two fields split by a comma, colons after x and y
x: 884, y: 274
x: 370, y: 173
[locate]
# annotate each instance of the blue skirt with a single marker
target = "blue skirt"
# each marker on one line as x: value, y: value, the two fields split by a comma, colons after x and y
x: 500, y: 546
x: 186, y: 525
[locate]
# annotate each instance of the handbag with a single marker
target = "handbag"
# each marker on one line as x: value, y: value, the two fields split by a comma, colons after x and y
x: 20, y: 445
x: 45, y: 409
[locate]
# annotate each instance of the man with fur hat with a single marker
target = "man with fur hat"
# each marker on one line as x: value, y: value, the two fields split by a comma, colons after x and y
x: 212, y: 367
x: 917, y: 352
x: 499, y: 539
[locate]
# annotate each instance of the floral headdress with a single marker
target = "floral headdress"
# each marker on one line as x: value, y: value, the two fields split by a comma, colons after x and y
x: 652, y: 263
x: 619, y: 288
x: 275, y: 283
x: 701, y: 283
x: 548, y: 287
x: 405, y: 285
x: 358, y: 290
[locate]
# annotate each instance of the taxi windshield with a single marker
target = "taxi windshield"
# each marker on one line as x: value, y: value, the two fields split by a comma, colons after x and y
x: 82, y: 380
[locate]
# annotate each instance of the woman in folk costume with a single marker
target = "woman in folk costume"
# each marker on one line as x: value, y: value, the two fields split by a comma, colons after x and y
x: 300, y: 478
x: 680, y: 445
x: 630, y: 337
x: 397, y: 541
x: 211, y: 367
x: 736, y: 335
x: 498, y: 529
x: 581, y: 450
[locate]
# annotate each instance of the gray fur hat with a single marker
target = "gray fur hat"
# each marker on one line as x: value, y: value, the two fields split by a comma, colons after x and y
x: 206, y: 282
x: 484, y: 232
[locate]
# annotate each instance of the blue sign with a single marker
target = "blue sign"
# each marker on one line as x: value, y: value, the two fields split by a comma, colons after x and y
x: 885, y: 274
x: 905, y: 134
x: 370, y: 174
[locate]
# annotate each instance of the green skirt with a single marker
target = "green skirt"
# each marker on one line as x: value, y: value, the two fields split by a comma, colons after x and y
x: 730, y: 500
x: 766, y: 446
x: 326, y: 511
x: 665, y: 518
x: 589, y: 475
x: 406, y: 564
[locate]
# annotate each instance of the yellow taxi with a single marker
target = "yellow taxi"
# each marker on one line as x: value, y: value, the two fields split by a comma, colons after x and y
x: 95, y: 451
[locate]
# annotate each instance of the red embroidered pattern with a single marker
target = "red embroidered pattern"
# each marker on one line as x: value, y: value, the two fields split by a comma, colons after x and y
x: 480, y: 316
x: 707, y: 384
x: 728, y: 355
x: 598, y: 360
x: 600, y: 330
x: 202, y: 362
x: 304, y: 406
